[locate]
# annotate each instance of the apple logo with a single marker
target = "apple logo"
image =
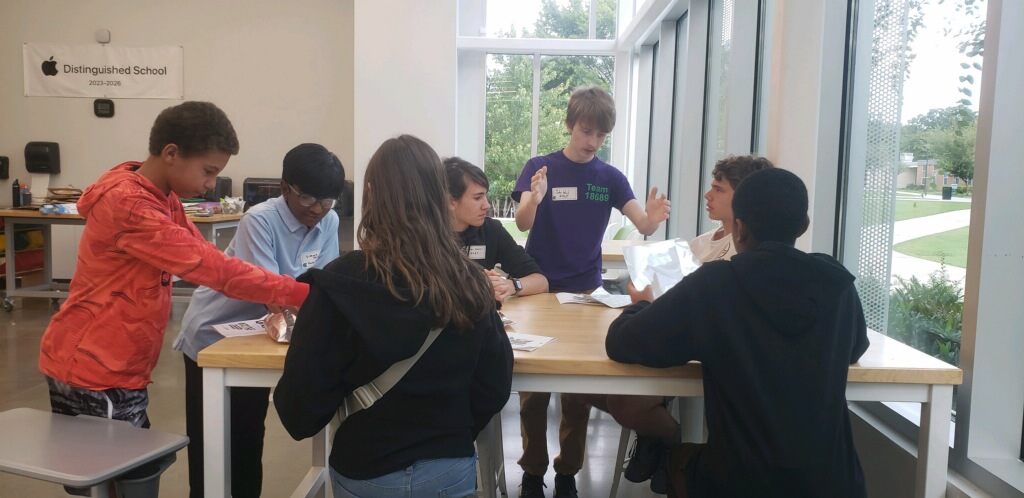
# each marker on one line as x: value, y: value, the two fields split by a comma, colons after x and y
x: 50, y: 67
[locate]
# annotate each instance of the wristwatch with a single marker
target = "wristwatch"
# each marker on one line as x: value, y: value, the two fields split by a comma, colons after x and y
x: 517, y: 284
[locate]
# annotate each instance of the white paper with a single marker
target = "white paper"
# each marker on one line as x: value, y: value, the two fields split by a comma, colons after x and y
x: 659, y: 264
x: 242, y: 328
x: 38, y: 185
x: 527, y: 342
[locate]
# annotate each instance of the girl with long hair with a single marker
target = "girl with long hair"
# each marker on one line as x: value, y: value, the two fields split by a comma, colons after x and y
x: 375, y: 306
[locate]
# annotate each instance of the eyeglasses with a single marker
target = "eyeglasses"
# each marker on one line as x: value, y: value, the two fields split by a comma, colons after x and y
x: 310, y: 201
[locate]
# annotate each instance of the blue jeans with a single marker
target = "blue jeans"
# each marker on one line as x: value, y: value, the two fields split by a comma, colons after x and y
x: 441, y: 477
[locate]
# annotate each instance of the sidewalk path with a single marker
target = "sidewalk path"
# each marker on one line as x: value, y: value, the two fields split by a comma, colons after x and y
x: 908, y: 266
x: 916, y: 228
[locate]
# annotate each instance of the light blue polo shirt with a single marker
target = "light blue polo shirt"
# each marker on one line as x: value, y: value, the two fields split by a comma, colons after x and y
x: 269, y: 236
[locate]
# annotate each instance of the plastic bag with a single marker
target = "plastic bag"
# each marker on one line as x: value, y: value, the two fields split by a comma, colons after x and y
x: 232, y: 205
x: 659, y: 264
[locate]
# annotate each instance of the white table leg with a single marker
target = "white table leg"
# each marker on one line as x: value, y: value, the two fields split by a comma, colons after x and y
x: 933, y: 442
x: 691, y: 419
x: 216, y: 433
x: 11, y: 274
x: 101, y: 490
x: 321, y: 452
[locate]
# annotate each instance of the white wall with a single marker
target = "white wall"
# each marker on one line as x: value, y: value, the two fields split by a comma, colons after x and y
x: 282, y: 71
x: 405, y: 81
x: 804, y: 104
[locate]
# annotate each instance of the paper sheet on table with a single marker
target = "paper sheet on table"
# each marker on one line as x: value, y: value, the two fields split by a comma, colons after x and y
x: 527, y: 342
x: 244, y: 327
x: 659, y: 264
x: 599, y: 297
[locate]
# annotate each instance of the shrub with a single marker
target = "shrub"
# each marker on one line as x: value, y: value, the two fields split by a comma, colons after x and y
x: 963, y: 190
x: 927, y: 315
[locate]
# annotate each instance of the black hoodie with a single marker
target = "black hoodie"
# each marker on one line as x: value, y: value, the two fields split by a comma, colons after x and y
x: 775, y: 330
x: 349, y: 331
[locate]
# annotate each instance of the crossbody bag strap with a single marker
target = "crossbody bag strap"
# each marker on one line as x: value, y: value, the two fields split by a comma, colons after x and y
x: 366, y: 395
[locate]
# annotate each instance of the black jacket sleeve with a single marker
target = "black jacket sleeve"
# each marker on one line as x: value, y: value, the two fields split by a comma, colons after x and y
x: 492, y: 378
x: 658, y: 334
x: 306, y: 407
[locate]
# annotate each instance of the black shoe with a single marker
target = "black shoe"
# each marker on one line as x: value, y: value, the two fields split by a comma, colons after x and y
x: 644, y: 458
x: 532, y: 486
x: 659, y: 481
x: 565, y: 486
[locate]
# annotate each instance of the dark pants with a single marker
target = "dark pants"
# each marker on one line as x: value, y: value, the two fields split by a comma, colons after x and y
x: 248, y: 412
x: 128, y: 405
x: 680, y: 467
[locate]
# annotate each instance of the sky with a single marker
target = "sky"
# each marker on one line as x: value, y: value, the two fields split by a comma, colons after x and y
x: 934, y: 74
x: 501, y: 14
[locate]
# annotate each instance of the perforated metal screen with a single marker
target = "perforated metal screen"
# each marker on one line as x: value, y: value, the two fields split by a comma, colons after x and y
x: 888, y: 61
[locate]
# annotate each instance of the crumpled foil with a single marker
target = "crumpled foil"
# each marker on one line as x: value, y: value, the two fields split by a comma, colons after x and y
x: 279, y: 325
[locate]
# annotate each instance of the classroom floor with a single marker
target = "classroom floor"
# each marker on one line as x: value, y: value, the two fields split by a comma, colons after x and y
x: 285, y: 460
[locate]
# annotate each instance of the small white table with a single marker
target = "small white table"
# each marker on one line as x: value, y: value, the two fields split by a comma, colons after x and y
x: 82, y: 451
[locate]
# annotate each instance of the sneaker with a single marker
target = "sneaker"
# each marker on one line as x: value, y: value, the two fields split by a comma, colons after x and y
x: 565, y: 486
x: 532, y: 486
x: 644, y: 458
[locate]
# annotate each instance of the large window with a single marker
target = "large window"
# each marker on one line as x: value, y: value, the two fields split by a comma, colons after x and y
x: 524, y: 119
x: 911, y: 163
x: 528, y: 56
x: 563, y: 19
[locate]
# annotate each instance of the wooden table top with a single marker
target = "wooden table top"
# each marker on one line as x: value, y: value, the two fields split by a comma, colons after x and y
x: 34, y: 213
x: 579, y: 349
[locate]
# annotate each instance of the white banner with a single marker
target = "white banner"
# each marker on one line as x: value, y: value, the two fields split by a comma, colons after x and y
x: 95, y: 70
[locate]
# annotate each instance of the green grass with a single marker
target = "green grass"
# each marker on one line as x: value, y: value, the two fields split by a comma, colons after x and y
x: 908, y: 209
x: 945, y: 247
x: 513, y: 230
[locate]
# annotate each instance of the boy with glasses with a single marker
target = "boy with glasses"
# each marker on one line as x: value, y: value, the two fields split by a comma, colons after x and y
x: 287, y: 235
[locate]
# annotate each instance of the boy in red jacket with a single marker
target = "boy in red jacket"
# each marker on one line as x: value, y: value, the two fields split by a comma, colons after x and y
x: 99, y: 350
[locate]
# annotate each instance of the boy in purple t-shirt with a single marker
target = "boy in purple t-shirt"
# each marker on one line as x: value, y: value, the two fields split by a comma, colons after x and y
x: 565, y: 200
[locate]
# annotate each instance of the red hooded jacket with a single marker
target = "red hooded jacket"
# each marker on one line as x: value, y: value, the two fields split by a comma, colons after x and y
x: 109, y: 332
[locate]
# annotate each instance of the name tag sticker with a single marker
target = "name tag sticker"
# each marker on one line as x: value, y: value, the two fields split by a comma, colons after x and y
x: 563, y: 194
x: 308, y: 259
x: 477, y: 252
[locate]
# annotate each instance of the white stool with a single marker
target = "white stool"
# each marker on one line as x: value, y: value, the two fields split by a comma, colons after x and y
x: 620, y: 461
x: 81, y: 452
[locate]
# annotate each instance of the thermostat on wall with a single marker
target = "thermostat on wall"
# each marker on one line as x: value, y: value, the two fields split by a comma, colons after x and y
x: 103, y: 108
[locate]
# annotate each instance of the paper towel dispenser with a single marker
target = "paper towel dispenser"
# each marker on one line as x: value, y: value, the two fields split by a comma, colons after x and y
x: 42, y: 157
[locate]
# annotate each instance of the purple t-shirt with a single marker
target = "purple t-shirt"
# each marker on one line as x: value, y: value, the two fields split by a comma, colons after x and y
x: 571, y: 220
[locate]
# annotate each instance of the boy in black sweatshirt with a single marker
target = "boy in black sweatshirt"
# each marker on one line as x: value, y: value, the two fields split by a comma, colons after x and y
x: 775, y: 330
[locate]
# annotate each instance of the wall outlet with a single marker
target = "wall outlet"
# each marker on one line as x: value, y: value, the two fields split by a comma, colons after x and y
x: 5, y: 168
